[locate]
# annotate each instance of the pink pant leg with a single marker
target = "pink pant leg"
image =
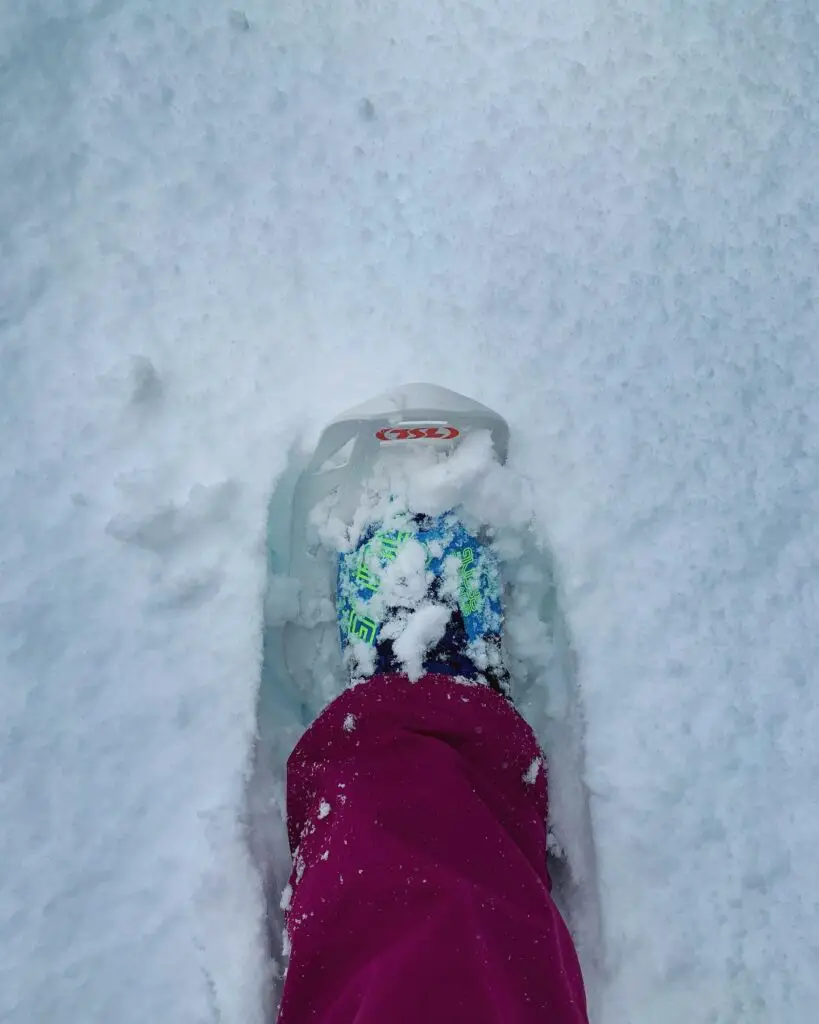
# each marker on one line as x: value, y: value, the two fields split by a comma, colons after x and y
x: 419, y: 889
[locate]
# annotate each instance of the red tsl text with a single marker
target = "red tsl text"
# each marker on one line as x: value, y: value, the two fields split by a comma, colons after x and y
x: 443, y: 433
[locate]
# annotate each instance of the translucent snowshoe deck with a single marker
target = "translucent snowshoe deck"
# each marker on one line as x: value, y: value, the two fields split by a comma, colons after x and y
x: 302, y: 663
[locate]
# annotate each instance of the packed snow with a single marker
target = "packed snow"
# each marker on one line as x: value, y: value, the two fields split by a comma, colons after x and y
x: 220, y: 226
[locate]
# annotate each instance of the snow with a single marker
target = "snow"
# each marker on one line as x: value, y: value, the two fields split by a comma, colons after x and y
x: 530, y: 775
x: 220, y: 227
x: 360, y: 659
x: 403, y: 581
x: 424, y: 628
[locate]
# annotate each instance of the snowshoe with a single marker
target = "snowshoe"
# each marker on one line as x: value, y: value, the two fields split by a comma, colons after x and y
x: 303, y: 666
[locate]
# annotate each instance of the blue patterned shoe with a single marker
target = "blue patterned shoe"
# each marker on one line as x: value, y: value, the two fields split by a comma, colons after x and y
x: 422, y: 596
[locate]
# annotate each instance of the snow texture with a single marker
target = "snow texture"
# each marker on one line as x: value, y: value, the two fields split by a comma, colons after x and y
x: 221, y: 226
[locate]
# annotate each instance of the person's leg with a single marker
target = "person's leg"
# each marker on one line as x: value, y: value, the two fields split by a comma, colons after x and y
x: 419, y: 892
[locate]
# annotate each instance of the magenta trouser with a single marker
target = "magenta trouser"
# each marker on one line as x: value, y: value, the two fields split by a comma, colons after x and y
x: 419, y: 890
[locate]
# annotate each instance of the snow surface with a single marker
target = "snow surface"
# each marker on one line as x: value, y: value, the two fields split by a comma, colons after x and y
x: 218, y: 228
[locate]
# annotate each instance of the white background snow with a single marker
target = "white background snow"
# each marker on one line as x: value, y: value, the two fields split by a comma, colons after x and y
x: 219, y: 227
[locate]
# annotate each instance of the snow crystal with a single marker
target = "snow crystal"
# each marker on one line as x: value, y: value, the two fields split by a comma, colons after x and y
x: 530, y: 775
x: 395, y: 625
x: 554, y: 846
x: 435, y: 547
x: 451, y: 577
x: 404, y: 580
x: 424, y: 628
x: 360, y: 659
x: 349, y: 723
x: 324, y: 810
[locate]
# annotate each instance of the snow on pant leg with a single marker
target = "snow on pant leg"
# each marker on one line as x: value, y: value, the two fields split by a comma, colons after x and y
x: 419, y: 892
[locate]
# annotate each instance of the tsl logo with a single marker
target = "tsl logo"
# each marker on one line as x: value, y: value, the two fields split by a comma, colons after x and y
x: 444, y: 433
